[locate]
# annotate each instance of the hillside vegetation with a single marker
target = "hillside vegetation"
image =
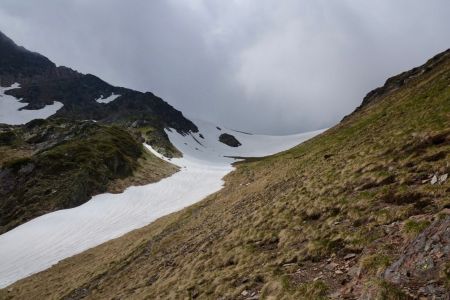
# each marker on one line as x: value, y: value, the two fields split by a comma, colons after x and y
x: 361, y: 211
x: 48, y: 165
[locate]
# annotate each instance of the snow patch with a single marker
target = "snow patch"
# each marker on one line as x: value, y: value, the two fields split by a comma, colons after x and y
x: 108, y: 99
x: 213, y: 151
x: 43, y: 241
x: 11, y: 113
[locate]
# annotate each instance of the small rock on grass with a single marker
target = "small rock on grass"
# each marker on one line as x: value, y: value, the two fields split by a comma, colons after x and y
x: 317, y: 278
x: 349, y: 256
x: 434, y: 180
x: 331, y: 266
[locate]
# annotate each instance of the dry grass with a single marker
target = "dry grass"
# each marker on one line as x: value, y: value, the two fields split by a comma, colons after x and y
x: 9, y: 154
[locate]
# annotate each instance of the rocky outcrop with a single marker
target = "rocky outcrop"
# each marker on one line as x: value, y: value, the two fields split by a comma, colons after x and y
x: 64, y: 165
x: 424, y: 267
x: 229, y: 140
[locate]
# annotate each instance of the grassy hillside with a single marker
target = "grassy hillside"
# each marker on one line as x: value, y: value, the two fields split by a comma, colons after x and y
x: 56, y: 164
x: 360, y: 211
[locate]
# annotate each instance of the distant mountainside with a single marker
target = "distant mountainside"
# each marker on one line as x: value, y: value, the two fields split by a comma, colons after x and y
x: 42, y: 82
x: 93, y: 141
x: 361, y: 211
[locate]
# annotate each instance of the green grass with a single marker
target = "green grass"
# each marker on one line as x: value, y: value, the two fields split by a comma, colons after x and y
x: 445, y: 274
x: 413, y: 228
x: 374, y: 264
x: 388, y: 291
x: 7, y: 138
x: 159, y: 140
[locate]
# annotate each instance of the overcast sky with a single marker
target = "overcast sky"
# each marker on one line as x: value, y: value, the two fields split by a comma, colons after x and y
x: 265, y: 66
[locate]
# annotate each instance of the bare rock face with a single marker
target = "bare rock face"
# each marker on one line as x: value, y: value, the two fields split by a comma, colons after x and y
x: 423, y: 268
x: 229, y: 140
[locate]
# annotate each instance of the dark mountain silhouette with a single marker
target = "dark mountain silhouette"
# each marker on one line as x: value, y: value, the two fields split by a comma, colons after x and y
x: 42, y: 82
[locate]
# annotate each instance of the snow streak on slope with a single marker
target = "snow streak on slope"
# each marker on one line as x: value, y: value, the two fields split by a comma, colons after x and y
x: 108, y: 99
x: 42, y: 242
x: 10, y: 106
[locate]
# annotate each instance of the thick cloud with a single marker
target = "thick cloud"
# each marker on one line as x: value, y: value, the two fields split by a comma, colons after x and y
x: 257, y: 65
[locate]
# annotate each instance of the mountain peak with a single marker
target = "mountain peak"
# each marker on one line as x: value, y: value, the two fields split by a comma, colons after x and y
x: 41, y: 83
x: 17, y: 63
x: 5, y: 39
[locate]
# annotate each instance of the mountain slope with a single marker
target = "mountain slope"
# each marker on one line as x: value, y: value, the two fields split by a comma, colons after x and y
x: 42, y: 82
x: 361, y: 211
x: 42, y: 242
x: 17, y: 62
x: 92, y: 143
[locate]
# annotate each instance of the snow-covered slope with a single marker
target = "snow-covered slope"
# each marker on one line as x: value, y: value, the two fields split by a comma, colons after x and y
x: 205, y: 145
x: 42, y: 242
x: 10, y: 106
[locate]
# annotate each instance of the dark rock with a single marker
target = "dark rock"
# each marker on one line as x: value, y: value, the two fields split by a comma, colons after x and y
x: 17, y: 62
x: 139, y: 123
x: 423, y: 260
x: 229, y: 140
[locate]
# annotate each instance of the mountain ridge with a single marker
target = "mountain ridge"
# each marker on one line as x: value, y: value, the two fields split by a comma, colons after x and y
x: 42, y: 82
x: 397, y: 81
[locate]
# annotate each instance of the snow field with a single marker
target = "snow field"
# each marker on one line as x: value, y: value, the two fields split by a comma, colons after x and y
x: 43, y: 241
x: 10, y: 106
